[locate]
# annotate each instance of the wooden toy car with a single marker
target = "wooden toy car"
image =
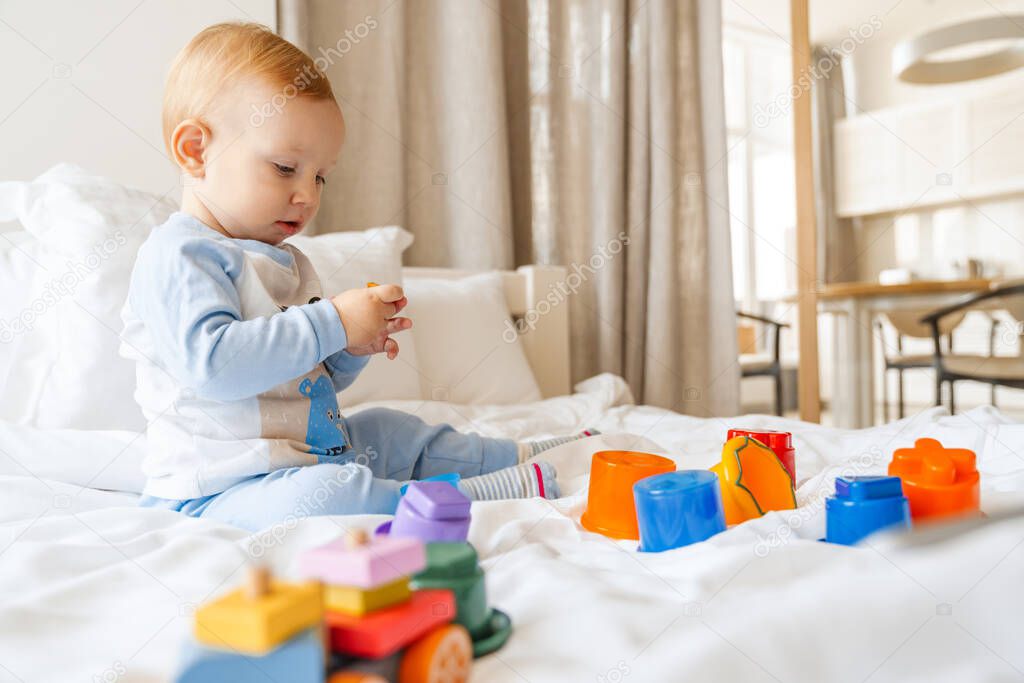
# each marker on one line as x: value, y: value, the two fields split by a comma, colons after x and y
x: 375, y: 625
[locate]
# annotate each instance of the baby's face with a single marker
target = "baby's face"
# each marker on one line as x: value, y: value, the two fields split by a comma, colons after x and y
x: 264, y: 174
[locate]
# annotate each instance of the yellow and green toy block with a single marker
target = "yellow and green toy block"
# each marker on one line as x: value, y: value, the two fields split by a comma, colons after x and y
x: 259, y: 617
x: 359, y: 601
x: 753, y: 480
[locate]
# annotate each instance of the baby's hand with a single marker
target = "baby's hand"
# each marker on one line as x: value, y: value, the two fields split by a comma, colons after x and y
x: 368, y: 317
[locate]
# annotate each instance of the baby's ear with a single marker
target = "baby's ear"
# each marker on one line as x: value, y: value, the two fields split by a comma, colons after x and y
x: 188, y: 145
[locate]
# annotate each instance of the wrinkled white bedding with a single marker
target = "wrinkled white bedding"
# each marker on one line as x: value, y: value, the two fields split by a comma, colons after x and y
x: 94, y: 588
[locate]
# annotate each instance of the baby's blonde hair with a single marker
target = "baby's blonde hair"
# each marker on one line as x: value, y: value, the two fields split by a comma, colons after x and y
x: 221, y: 55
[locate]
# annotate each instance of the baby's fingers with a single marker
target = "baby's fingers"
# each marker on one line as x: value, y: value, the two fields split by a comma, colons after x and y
x: 391, y: 348
x: 398, y: 324
x: 389, y: 293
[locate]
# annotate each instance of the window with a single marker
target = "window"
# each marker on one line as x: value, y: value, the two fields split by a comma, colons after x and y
x: 761, y: 184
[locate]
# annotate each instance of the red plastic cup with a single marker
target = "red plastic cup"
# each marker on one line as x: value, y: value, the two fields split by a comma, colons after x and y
x: 781, y: 443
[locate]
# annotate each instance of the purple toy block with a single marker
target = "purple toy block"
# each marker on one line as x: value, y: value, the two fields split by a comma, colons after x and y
x: 437, y: 500
x: 432, y: 511
x: 382, y: 560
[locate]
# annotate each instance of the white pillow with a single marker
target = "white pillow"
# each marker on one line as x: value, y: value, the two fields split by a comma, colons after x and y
x: 349, y: 260
x: 19, y: 267
x: 462, y: 352
x: 65, y: 370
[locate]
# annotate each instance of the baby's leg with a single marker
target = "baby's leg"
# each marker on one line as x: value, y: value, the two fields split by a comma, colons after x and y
x: 293, y: 493
x: 397, y: 445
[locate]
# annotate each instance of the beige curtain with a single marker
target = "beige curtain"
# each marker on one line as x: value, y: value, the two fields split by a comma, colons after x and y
x: 587, y: 133
x: 837, y: 260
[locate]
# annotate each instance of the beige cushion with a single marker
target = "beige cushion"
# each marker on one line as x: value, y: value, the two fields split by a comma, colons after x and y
x: 1005, y: 367
x: 916, y: 358
x: 908, y: 323
x: 755, y: 361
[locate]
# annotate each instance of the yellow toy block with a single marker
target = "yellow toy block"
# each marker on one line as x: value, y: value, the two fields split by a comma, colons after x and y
x: 359, y: 601
x: 260, y: 616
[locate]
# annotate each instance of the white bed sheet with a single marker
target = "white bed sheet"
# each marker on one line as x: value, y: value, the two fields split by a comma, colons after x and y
x: 94, y: 588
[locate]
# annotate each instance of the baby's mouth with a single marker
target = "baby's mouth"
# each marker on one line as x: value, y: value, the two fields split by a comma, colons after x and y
x: 290, y: 227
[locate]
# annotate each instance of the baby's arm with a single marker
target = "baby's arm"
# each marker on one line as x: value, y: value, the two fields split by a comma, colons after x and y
x: 343, y: 368
x: 185, y: 293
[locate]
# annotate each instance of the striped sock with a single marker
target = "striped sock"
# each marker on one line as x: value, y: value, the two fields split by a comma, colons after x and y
x: 529, y: 449
x: 521, y: 481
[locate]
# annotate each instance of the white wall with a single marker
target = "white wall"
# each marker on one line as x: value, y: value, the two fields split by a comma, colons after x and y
x: 871, y: 62
x: 83, y: 81
x: 930, y: 240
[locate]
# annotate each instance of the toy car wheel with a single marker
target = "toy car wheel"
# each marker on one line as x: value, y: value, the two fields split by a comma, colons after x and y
x: 445, y: 655
x: 355, y: 677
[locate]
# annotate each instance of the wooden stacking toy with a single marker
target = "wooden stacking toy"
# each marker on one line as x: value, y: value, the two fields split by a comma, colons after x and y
x: 753, y: 480
x: 376, y: 624
x: 454, y: 566
x: 938, y: 481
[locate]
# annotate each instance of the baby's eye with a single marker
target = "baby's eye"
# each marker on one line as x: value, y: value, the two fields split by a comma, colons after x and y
x: 284, y: 170
x: 321, y: 181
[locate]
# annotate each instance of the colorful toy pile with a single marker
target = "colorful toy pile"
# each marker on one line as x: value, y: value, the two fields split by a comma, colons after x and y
x: 375, y: 622
x: 360, y: 607
x: 927, y: 482
x: 640, y: 496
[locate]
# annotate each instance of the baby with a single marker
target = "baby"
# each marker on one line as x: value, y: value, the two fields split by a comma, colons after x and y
x: 239, y: 354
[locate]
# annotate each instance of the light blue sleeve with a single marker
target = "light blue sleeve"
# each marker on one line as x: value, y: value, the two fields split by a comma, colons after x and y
x: 183, y: 290
x: 343, y: 368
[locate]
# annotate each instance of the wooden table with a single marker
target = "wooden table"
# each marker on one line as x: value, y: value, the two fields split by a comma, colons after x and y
x: 854, y: 306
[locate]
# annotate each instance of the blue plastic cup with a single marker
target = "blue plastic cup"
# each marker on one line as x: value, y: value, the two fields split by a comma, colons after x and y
x: 864, y: 505
x: 678, y: 508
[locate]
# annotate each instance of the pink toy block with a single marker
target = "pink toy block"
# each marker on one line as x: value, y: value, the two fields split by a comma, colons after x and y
x: 380, y: 560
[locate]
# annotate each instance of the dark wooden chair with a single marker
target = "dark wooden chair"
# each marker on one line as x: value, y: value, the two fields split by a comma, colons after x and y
x: 1005, y: 371
x: 765, y: 364
x: 907, y: 324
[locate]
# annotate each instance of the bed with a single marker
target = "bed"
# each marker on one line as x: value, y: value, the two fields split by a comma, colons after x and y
x: 97, y: 589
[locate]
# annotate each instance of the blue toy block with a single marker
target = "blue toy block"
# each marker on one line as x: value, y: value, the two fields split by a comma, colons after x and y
x: 299, y: 660
x: 864, y: 505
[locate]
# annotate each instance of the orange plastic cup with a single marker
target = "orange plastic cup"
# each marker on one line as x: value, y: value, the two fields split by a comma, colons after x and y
x: 938, y: 482
x: 611, y: 508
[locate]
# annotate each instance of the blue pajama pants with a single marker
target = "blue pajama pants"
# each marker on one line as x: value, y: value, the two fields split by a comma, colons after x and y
x: 389, y: 447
